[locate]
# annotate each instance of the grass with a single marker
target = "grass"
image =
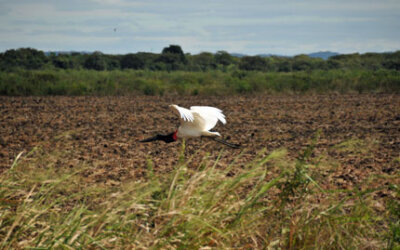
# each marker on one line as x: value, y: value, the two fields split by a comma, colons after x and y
x: 271, y: 202
x: 123, y: 82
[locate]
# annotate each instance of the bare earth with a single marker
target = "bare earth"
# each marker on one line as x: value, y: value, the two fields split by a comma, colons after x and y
x: 360, y: 134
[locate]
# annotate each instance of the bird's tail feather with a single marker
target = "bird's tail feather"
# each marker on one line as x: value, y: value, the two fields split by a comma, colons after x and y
x: 232, y: 145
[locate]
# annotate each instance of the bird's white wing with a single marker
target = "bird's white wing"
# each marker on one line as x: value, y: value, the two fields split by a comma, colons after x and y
x: 185, y: 114
x: 208, y: 116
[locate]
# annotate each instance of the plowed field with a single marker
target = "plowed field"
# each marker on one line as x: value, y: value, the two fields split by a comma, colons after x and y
x: 360, y: 134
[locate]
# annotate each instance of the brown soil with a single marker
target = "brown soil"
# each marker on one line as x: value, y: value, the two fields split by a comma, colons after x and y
x: 103, y: 132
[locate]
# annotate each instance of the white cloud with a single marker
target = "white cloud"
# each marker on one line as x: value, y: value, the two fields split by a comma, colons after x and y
x: 254, y: 26
x: 108, y: 2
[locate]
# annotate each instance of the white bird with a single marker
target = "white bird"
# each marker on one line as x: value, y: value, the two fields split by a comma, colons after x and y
x: 196, y: 122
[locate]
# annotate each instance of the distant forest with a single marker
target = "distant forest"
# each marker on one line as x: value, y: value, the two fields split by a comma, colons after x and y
x: 173, y: 58
x: 27, y: 71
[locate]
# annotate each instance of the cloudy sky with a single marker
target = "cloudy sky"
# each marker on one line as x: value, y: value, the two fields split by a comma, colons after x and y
x: 247, y: 26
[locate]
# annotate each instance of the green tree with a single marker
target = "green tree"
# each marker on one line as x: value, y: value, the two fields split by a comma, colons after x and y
x: 26, y: 58
x: 223, y: 58
x: 283, y: 64
x: 62, y: 61
x: 112, y: 62
x: 253, y: 63
x: 391, y: 60
x: 95, y: 61
x: 204, y: 61
x: 172, y: 57
x: 301, y: 62
x: 348, y: 61
x: 132, y: 61
x: 173, y: 49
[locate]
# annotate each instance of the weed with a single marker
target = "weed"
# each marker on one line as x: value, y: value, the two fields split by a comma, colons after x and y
x: 272, y: 202
x: 122, y: 82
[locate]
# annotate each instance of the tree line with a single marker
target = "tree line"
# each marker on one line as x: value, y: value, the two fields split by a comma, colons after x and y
x: 172, y: 58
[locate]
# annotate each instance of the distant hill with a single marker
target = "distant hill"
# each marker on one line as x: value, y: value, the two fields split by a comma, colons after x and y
x: 323, y: 54
x: 47, y: 53
x: 238, y: 55
x: 269, y: 55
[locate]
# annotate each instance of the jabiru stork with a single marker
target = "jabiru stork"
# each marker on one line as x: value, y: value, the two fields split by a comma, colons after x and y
x: 195, y: 122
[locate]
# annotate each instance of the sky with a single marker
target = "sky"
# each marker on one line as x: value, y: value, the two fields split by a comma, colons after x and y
x: 249, y: 26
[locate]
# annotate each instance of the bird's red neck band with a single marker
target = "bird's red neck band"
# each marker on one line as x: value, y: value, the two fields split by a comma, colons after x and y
x: 175, y: 136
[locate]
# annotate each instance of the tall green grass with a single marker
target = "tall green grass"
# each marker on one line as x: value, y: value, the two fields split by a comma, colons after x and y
x: 117, y: 82
x: 270, y: 202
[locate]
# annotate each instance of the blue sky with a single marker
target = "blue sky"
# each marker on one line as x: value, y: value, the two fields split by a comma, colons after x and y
x: 250, y: 27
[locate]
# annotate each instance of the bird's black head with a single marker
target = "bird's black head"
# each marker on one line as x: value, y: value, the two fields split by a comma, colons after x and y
x: 166, y: 138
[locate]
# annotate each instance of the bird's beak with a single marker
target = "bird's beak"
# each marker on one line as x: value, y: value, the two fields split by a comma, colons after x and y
x: 154, y: 138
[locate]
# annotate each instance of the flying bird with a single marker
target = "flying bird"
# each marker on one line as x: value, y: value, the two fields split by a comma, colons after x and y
x: 195, y: 122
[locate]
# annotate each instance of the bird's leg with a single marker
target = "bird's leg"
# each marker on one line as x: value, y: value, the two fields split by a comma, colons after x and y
x: 229, y: 144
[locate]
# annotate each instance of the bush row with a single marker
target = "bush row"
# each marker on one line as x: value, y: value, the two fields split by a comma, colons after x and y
x: 173, y: 58
x: 122, y: 82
